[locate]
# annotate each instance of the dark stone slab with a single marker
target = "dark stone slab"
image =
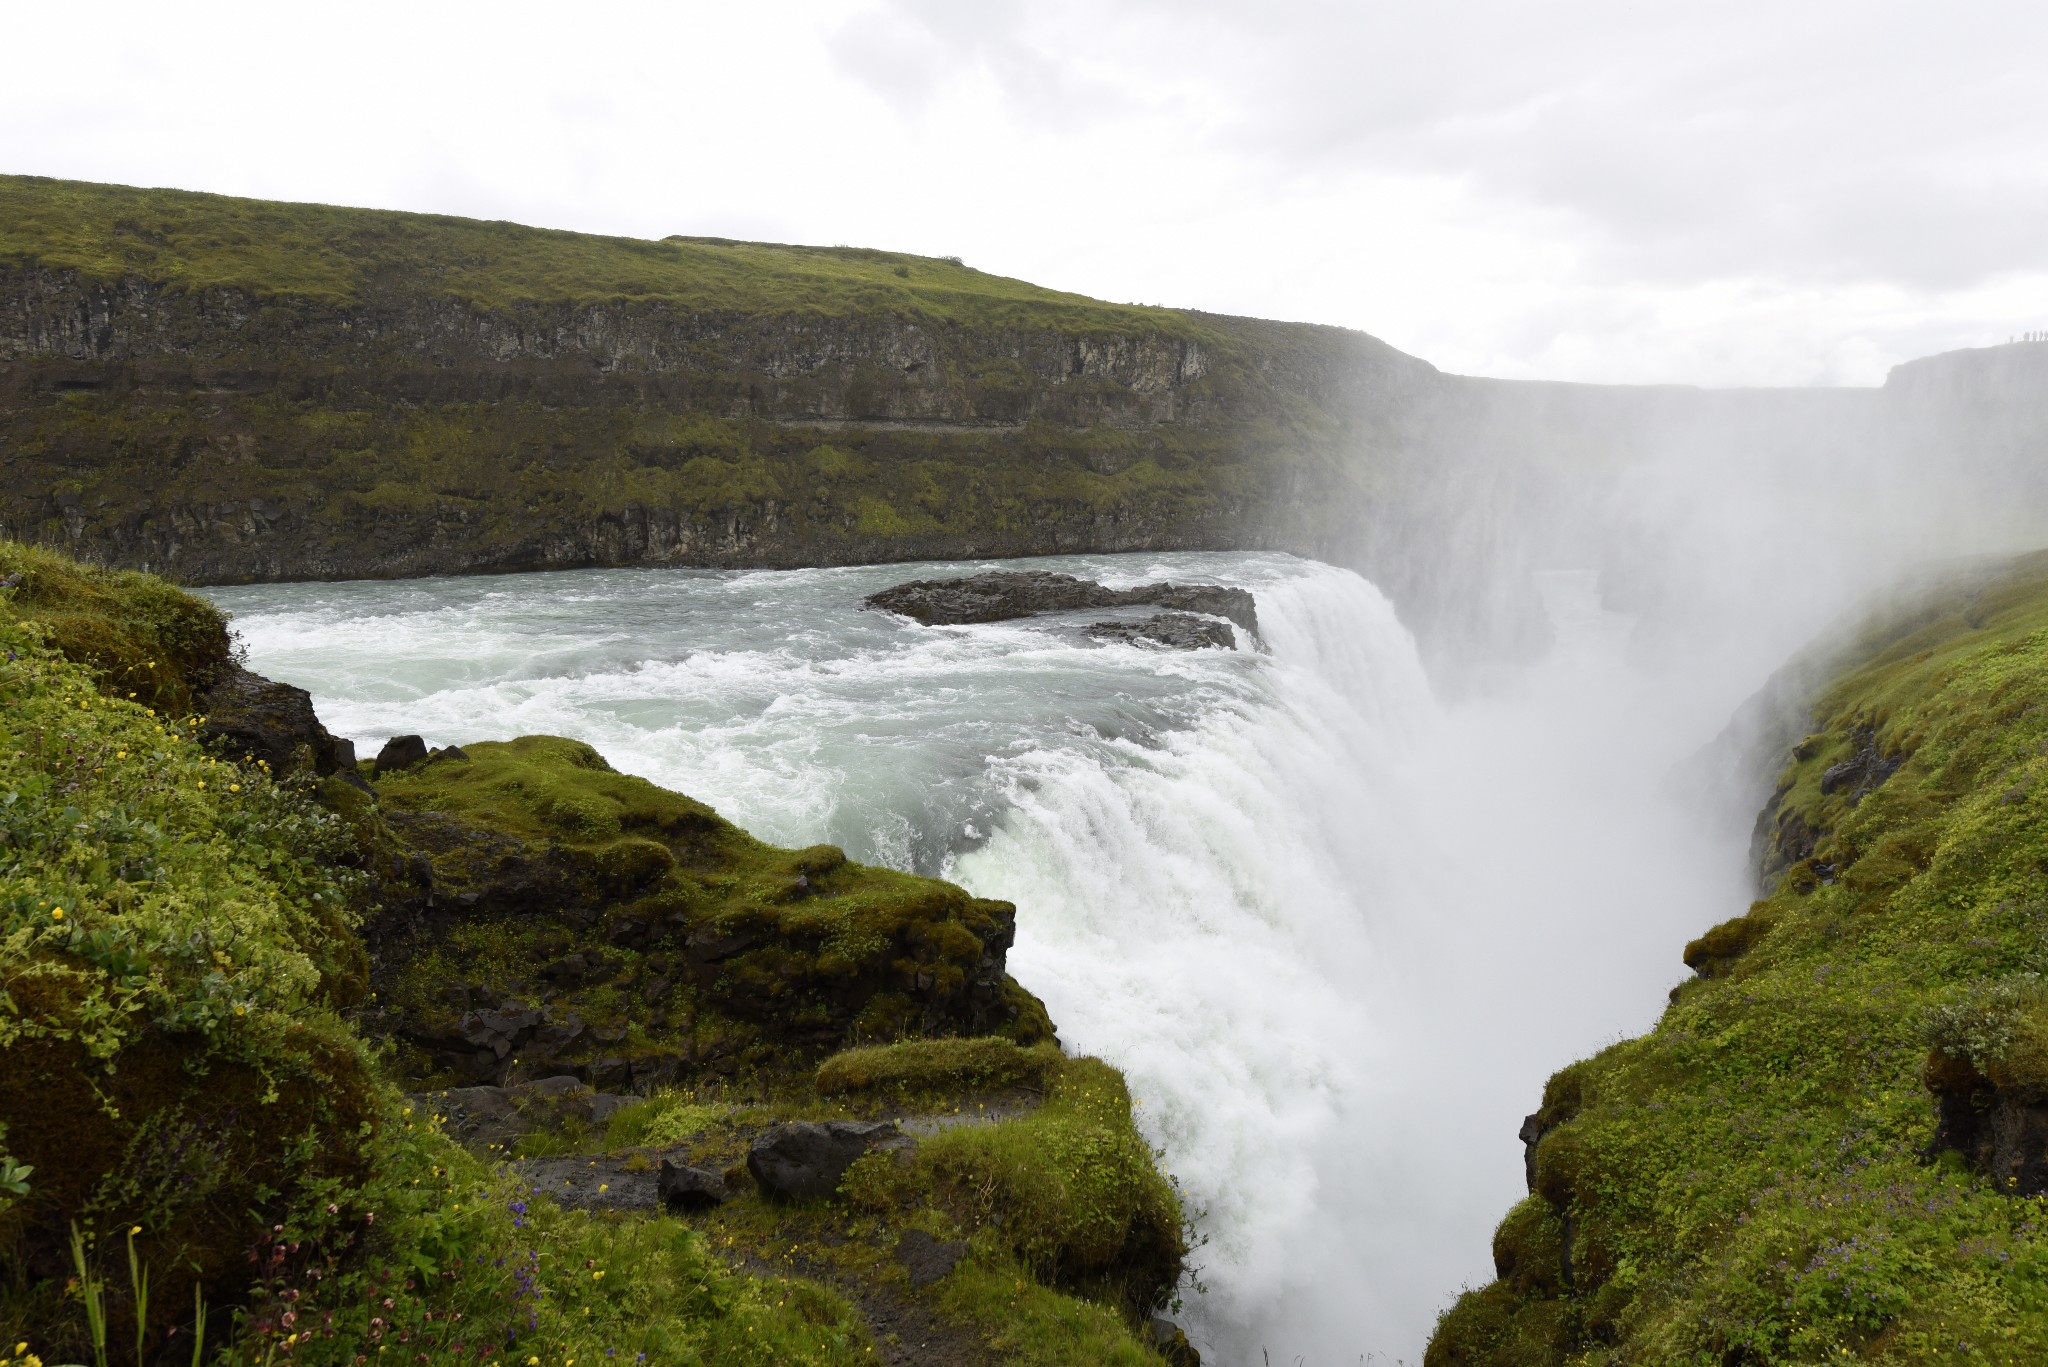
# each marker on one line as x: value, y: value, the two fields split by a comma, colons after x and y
x: 684, y: 1188
x: 1004, y: 595
x: 1174, y: 630
x: 804, y: 1160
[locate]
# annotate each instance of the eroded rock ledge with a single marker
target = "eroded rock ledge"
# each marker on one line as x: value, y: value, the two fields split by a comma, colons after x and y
x: 1006, y: 595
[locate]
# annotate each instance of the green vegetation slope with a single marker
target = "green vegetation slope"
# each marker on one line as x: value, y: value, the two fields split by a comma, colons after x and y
x: 1834, y: 1146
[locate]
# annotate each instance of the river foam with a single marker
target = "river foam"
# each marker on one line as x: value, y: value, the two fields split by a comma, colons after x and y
x: 1335, y: 931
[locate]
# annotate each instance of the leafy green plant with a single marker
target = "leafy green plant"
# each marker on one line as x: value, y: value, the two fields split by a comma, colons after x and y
x: 92, y: 1298
x: 661, y: 1121
x: 175, y: 935
x: 14, y: 1174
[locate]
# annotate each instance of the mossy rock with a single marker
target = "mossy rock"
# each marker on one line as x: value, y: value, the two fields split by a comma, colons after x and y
x: 199, y: 1148
x: 140, y: 637
x: 950, y: 1068
x: 665, y: 940
x: 1494, y: 1327
x: 1529, y: 1249
x: 176, y: 942
x: 1072, y: 1189
x: 1714, y: 954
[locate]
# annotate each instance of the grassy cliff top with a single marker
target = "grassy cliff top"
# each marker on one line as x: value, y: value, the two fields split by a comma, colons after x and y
x: 350, y: 256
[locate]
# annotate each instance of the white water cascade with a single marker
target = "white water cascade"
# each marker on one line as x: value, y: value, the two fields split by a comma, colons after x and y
x: 1335, y: 931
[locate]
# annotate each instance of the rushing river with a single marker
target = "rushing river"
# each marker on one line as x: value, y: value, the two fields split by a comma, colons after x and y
x: 1335, y: 931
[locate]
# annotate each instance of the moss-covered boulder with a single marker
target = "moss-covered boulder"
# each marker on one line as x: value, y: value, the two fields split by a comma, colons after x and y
x: 550, y: 914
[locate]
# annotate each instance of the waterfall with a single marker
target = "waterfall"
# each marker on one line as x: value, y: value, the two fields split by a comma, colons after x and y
x: 1337, y: 938
x: 1335, y: 930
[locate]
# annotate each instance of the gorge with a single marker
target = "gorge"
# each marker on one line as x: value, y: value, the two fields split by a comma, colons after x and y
x: 1335, y: 907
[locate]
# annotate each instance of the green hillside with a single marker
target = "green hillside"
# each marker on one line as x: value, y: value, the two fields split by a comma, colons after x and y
x: 343, y: 256
x: 1834, y: 1146
x: 228, y: 390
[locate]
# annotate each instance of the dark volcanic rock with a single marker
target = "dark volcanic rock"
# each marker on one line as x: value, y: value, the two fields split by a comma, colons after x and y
x: 613, y: 1182
x: 496, y: 1116
x: 479, y: 1044
x: 804, y: 1160
x: 1170, y: 1341
x: 1863, y: 771
x: 927, y: 1259
x: 1177, y: 630
x: 1003, y: 595
x: 687, y: 1188
x: 2002, y: 1132
x: 400, y: 752
x: 1236, y: 604
x: 992, y: 597
x: 251, y: 718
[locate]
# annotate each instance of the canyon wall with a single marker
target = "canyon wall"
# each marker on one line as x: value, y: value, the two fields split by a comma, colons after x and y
x: 229, y: 390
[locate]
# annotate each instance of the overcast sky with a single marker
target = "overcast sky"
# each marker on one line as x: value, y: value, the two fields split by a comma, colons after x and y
x: 1735, y: 192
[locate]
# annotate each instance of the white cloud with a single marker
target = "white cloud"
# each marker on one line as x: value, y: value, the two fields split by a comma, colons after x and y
x: 1590, y: 189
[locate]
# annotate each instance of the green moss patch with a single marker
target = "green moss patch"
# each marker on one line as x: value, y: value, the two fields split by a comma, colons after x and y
x: 1071, y: 1188
x: 916, y: 1069
x: 139, y: 637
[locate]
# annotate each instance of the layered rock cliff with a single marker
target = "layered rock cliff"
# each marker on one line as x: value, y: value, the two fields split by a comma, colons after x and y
x: 228, y: 390
x: 389, y: 394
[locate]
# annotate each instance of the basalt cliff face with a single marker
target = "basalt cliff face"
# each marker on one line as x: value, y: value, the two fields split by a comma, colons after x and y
x: 229, y: 390
x: 170, y: 401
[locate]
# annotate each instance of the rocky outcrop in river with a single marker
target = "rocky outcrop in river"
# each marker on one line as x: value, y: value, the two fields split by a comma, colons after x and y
x: 1005, y: 595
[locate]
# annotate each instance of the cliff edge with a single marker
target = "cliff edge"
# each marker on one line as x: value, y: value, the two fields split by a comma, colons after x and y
x: 1834, y: 1145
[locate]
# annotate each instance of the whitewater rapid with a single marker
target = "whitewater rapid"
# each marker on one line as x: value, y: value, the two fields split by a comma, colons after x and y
x: 1335, y: 931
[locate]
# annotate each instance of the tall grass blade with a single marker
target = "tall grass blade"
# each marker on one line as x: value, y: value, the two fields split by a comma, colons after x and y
x: 91, y: 1292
